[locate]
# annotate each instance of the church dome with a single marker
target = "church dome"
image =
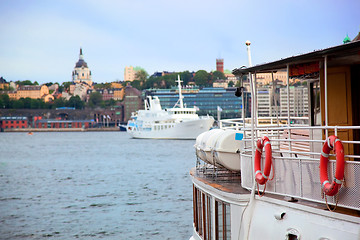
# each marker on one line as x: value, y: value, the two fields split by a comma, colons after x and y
x: 81, y: 63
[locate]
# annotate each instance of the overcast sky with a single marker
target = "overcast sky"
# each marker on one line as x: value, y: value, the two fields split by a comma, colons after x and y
x: 40, y: 40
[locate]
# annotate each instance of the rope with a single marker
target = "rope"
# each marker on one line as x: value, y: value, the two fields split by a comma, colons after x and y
x: 336, y: 203
x: 260, y: 195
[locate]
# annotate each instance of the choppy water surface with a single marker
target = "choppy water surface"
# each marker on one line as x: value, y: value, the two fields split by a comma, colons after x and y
x: 101, y: 185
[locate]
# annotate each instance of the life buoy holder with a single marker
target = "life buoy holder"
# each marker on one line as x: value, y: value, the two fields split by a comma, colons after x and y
x: 332, y: 143
x: 262, y: 177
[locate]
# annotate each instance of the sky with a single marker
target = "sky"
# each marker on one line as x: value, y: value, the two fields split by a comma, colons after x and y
x: 40, y: 40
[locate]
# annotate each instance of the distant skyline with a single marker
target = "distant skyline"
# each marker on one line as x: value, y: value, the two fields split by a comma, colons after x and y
x: 40, y: 40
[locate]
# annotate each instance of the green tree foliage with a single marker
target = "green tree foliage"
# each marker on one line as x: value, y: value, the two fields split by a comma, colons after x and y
x: 102, y: 86
x: 95, y: 99
x: 231, y: 84
x: 65, y: 86
x: 217, y: 75
x: 18, y: 104
x: 59, y: 102
x: 75, y: 102
x: 141, y: 75
x: 202, y: 78
x: 26, y: 102
x: 186, y: 77
x: 4, y: 101
x: 25, y: 82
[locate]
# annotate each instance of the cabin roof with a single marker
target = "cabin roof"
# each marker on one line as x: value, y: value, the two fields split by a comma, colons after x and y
x: 345, y: 54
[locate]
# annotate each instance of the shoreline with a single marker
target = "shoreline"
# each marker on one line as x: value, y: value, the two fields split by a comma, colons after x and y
x: 113, y: 129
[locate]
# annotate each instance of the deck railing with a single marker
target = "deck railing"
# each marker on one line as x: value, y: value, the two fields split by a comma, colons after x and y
x: 296, y: 153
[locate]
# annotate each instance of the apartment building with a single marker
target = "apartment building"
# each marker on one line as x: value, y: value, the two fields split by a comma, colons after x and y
x: 298, y: 101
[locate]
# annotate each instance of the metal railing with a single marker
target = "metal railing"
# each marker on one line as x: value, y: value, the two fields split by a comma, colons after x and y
x: 296, y: 150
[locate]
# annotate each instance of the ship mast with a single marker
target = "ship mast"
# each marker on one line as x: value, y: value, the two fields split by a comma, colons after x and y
x: 181, y: 103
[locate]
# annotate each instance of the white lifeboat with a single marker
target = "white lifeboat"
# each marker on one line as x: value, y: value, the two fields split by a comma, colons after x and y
x: 197, y: 146
x: 227, y: 150
x: 207, y: 143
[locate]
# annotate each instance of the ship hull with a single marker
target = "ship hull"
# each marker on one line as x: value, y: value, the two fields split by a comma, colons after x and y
x: 189, y: 129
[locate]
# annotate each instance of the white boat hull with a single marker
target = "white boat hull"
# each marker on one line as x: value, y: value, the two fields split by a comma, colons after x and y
x: 184, y: 130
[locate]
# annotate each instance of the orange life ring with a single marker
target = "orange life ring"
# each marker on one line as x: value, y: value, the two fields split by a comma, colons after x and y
x: 262, y: 177
x: 334, y: 143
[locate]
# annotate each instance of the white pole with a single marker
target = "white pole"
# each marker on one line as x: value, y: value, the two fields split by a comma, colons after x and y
x: 288, y: 92
x: 326, y: 100
x: 248, y: 52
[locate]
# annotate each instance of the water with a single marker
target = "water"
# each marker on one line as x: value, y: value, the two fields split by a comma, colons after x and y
x: 94, y: 185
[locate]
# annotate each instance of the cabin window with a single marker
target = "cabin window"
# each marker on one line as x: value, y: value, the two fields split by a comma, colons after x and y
x: 222, y: 221
x: 202, y: 213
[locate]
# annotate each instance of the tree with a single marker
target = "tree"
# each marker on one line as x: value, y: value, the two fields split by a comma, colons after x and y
x: 59, y: 102
x: 75, y: 102
x: 4, y: 101
x: 186, y: 77
x: 141, y: 75
x: 201, y: 78
x: 25, y: 82
x: 137, y: 84
x: 95, y: 99
x: 26, y: 102
x: 66, y: 86
x: 231, y: 84
x: 217, y: 75
x: 35, y: 103
x: 18, y: 104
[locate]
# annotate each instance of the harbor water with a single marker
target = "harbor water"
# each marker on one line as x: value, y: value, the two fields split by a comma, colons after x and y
x: 94, y: 185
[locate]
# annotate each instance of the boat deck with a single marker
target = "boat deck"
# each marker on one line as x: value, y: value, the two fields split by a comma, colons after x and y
x: 230, y: 182
x: 220, y: 179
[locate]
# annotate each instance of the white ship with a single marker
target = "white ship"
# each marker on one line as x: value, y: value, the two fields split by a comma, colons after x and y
x: 287, y: 177
x: 178, y: 122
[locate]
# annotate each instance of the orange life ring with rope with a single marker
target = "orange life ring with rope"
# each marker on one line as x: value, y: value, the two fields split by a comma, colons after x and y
x: 334, y: 143
x: 262, y: 177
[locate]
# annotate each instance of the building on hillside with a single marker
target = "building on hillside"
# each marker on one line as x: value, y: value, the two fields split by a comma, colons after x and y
x: 118, y: 90
x: 13, y: 122
x: 106, y: 94
x: 220, y: 84
x: 80, y: 89
x: 132, y: 102
x: 48, y: 98
x: 12, y: 94
x: 129, y: 74
x: 81, y: 72
x: 231, y: 78
x: 266, y: 78
x: 32, y: 91
x: 118, y: 93
x: 54, y: 87
x: 207, y: 100
x: 116, y: 85
x: 161, y: 74
x: 4, y: 85
x: 220, y: 65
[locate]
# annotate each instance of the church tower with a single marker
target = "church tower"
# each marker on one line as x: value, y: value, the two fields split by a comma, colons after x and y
x: 81, y: 71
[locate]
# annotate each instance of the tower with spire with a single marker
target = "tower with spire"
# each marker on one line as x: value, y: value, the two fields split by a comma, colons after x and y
x: 81, y: 72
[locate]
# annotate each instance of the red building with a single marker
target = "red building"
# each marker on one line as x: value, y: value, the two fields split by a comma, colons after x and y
x: 54, y: 123
x: 13, y: 122
x: 220, y: 65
